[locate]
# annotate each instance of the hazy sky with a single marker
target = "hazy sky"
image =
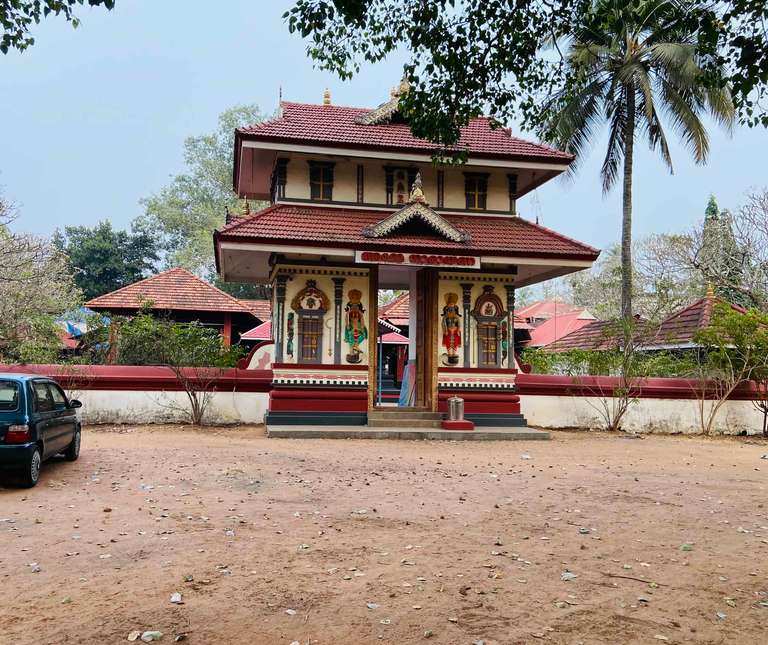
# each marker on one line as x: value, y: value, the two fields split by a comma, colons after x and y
x: 93, y: 119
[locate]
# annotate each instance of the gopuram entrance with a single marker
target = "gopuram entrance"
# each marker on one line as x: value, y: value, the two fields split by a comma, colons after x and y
x: 357, y: 205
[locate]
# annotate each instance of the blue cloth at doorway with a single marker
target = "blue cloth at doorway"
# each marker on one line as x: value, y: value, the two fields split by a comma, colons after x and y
x: 408, y: 388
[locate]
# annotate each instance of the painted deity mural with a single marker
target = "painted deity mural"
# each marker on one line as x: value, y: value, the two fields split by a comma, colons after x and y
x: 451, y: 324
x: 355, y: 331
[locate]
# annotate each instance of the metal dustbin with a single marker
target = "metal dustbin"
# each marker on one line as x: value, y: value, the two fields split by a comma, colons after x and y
x: 456, y: 408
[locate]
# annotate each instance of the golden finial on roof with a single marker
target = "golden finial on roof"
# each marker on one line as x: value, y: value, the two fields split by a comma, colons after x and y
x: 327, y: 97
x: 417, y: 193
x: 246, y: 208
x: 710, y: 291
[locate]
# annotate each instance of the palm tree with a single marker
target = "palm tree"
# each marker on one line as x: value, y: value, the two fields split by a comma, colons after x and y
x: 629, y: 61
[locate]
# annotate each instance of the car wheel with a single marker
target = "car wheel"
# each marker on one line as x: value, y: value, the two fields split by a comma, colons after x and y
x: 32, y: 469
x: 73, y: 450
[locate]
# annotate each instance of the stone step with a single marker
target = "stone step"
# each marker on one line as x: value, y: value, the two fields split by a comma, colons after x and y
x: 361, y: 432
x: 400, y: 413
x: 404, y: 423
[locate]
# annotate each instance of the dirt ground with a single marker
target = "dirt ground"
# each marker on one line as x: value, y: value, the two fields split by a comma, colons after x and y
x: 331, y: 541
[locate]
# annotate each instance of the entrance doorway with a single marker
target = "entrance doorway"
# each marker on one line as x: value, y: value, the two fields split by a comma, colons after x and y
x: 406, y: 377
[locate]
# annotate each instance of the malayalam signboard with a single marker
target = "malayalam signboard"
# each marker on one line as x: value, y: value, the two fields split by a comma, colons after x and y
x: 418, y: 259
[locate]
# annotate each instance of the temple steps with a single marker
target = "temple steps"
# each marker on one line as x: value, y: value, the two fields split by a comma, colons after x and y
x: 399, y: 418
x: 403, y: 413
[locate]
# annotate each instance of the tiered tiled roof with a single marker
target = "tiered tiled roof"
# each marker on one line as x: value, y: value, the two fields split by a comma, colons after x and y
x: 173, y: 290
x: 337, y: 126
x: 324, y: 226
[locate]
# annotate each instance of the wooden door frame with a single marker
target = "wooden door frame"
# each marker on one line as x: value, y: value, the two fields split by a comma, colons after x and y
x: 427, y: 281
x: 426, y: 330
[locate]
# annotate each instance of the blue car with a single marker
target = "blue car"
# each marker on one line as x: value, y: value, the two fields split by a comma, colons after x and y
x: 37, y: 422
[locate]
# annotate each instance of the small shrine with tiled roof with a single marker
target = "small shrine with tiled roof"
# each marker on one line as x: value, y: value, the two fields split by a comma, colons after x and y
x: 358, y: 204
x: 675, y: 333
x: 184, y: 297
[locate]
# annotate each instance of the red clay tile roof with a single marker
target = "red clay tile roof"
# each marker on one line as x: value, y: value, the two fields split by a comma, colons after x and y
x: 323, y: 226
x: 393, y: 338
x: 559, y: 326
x: 259, y: 332
x: 545, y: 309
x: 597, y: 335
x: 396, y: 310
x: 677, y: 331
x: 333, y: 125
x: 681, y: 326
x: 173, y: 290
x: 262, y: 309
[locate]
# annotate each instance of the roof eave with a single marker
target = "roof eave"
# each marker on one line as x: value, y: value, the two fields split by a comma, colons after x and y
x: 373, y: 243
x: 241, y: 135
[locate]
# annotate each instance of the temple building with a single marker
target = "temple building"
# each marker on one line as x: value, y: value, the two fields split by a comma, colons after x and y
x: 357, y: 204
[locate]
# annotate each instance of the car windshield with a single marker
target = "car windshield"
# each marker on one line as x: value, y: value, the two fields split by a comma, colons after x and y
x: 9, y: 396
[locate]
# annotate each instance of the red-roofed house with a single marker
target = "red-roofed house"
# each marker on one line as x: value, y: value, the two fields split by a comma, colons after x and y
x: 397, y: 311
x: 674, y: 333
x: 182, y: 297
x: 542, y: 310
x: 554, y: 328
x: 357, y: 204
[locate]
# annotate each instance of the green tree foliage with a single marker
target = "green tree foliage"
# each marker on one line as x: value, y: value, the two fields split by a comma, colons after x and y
x: 184, y: 214
x: 733, y: 38
x: 36, y: 286
x: 146, y: 339
x: 734, y: 350
x: 663, y: 280
x: 721, y: 259
x: 730, y: 252
x: 194, y: 353
x: 104, y: 259
x: 17, y: 16
x: 630, y: 63
x: 475, y: 56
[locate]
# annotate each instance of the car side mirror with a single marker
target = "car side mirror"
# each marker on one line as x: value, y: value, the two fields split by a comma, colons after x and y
x: 74, y: 403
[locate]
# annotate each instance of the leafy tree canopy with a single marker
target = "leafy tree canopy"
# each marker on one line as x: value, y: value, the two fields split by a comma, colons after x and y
x: 103, y: 259
x: 184, y: 214
x: 17, y: 16
x: 147, y: 339
x: 36, y: 285
x: 470, y: 57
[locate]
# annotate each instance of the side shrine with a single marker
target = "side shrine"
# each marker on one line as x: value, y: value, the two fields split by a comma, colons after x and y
x: 358, y: 205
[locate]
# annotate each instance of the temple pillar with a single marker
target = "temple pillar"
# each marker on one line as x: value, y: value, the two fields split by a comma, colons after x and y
x: 413, y: 313
x: 227, y: 331
x: 466, y: 301
x: 338, y: 296
x: 279, y: 316
x: 373, y: 334
x: 511, y: 359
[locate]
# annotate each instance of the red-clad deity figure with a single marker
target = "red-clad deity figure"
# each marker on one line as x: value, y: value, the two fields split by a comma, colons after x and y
x: 451, y: 328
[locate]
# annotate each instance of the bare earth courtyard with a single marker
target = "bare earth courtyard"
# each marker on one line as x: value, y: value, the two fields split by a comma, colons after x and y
x: 322, y: 541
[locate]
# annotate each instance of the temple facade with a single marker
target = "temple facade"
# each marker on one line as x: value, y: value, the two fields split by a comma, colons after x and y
x: 357, y: 204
